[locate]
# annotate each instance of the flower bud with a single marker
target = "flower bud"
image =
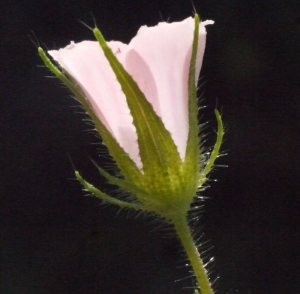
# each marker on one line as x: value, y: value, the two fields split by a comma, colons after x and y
x: 142, y: 98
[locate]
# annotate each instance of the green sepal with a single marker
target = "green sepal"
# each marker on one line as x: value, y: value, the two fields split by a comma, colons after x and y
x: 159, y: 154
x: 103, y: 196
x: 192, y: 150
x: 129, y: 186
x: 126, y: 165
x: 215, y: 152
x: 191, y: 162
x: 148, y: 202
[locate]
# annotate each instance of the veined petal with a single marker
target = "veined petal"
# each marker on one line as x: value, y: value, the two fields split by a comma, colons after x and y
x: 86, y: 63
x: 158, y: 59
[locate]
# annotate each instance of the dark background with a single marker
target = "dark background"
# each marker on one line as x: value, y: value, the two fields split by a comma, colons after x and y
x: 55, y: 240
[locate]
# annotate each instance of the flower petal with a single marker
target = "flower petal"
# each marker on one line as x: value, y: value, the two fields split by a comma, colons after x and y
x: 158, y: 59
x: 201, y: 45
x: 86, y: 63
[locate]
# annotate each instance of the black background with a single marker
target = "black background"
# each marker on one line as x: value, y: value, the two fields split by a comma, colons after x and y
x: 55, y: 240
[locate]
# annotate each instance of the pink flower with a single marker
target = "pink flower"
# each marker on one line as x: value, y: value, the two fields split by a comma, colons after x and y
x: 158, y: 58
x: 142, y: 98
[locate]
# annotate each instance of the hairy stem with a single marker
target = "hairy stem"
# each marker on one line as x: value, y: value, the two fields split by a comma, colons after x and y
x: 183, y: 231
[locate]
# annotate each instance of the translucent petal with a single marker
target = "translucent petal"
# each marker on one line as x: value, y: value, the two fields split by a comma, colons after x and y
x: 86, y: 63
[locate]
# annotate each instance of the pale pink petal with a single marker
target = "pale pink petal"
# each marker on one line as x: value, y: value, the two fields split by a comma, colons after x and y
x: 201, y: 45
x: 158, y: 59
x: 86, y: 63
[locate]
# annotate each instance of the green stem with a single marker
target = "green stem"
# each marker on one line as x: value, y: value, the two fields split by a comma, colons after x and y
x: 185, y: 236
